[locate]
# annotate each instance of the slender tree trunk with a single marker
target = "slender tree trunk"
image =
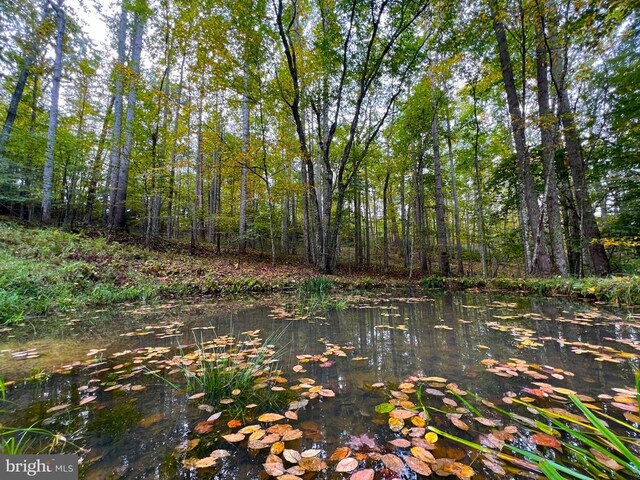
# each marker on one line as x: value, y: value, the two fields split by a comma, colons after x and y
x: 96, y: 167
x: 119, y: 219
x: 541, y: 264
x: 547, y: 135
x: 478, y: 185
x: 199, y: 182
x: 242, y: 231
x: 47, y: 177
x: 441, y: 226
x: 114, y: 161
x: 174, y: 151
x: 385, y: 228
x: 367, y: 220
x: 456, y: 204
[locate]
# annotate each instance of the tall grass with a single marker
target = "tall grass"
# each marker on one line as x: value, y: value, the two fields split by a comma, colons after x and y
x: 235, y: 373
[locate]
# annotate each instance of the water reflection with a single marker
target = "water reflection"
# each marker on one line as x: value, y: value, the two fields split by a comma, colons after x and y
x: 133, y: 435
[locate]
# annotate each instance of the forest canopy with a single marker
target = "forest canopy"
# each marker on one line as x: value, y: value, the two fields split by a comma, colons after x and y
x: 481, y: 138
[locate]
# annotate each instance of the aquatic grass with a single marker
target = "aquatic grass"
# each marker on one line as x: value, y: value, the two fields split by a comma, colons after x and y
x: 232, y: 373
x: 319, y: 285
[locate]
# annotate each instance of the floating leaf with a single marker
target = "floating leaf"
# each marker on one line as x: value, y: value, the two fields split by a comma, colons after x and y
x: 291, y: 435
x: 291, y: 456
x: 233, y: 437
x: 417, y: 465
x: 274, y: 469
x: 542, y: 439
x: 348, y: 464
x: 400, y: 443
x: 363, y: 475
x: 312, y: 464
x: 277, y: 448
x: 339, y: 454
x: 392, y: 462
x: 423, y: 454
x: 235, y: 423
x: 431, y: 437
x: 384, y: 408
x: 58, y: 407
x: 270, y: 417
x: 206, y: 462
x: 195, y: 396
x: 396, y: 424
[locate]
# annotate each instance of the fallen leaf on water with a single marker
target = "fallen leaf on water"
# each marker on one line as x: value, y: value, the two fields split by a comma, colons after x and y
x: 400, y: 443
x: 417, y: 465
x: 86, y: 400
x: 348, y: 464
x: 392, y: 462
x: 291, y: 456
x: 542, y: 439
x: 274, y: 469
x: 58, y: 407
x: 423, y: 454
x: 205, y: 462
x: 363, y: 475
x: 312, y: 464
x: 195, y: 396
x: 233, y: 437
x: 234, y: 423
x: 340, y: 454
x: 431, y: 437
x: 270, y: 417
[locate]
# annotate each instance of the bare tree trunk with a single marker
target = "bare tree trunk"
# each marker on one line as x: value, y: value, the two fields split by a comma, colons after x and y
x: 478, y: 184
x: 367, y: 220
x: 119, y: 219
x: 199, y: 183
x: 547, y: 135
x: 96, y: 167
x: 454, y: 193
x: 116, y: 142
x: 541, y: 264
x: 174, y: 151
x: 385, y: 228
x: 242, y: 231
x: 441, y: 227
x: 47, y: 176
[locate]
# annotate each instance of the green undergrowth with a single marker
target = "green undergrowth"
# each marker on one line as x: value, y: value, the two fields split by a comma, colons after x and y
x: 615, y: 290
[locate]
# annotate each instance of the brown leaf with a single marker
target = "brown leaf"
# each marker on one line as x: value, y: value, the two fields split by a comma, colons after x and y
x: 348, y: 464
x: 270, y: 417
x: 392, y: 462
x: 312, y: 464
x: 339, y: 454
x: 205, y: 462
x: 423, y: 454
x: 363, y: 475
x: 542, y: 439
x: 273, y: 469
x: 291, y: 456
x: 234, y: 437
x: 400, y: 442
x: 417, y: 465
x: 291, y: 435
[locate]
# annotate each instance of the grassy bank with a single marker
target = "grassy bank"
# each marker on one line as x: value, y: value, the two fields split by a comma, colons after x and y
x: 50, y: 270
x: 614, y: 290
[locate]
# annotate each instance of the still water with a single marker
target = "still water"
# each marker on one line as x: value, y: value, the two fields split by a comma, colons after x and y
x: 389, y: 337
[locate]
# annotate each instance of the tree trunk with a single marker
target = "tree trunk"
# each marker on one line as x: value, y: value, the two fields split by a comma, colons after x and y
x: 242, y: 231
x: 119, y: 219
x: 96, y: 167
x: 541, y: 264
x: 454, y: 193
x: 547, y: 135
x: 478, y: 184
x: 114, y: 161
x: 441, y: 226
x: 47, y: 177
x: 385, y: 228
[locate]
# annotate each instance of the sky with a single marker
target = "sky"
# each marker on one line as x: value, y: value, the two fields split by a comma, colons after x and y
x: 90, y: 13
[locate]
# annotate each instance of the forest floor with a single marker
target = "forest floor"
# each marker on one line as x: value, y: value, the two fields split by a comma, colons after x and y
x: 51, y: 270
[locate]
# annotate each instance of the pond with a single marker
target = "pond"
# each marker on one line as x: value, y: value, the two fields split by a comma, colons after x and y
x: 89, y: 380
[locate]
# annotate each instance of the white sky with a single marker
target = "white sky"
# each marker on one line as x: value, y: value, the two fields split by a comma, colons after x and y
x: 90, y: 14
